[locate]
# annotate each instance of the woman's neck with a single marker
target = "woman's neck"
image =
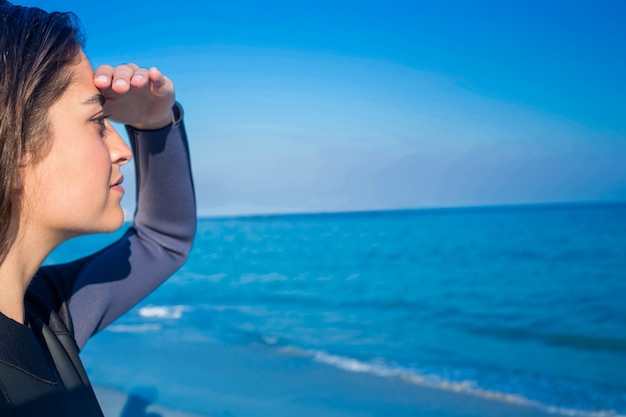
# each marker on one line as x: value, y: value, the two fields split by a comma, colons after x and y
x: 16, y: 271
x: 12, y: 299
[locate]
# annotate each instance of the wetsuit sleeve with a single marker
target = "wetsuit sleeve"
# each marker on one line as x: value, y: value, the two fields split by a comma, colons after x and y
x: 106, y: 284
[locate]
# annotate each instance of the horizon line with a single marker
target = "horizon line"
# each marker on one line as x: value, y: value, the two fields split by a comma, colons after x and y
x: 383, y: 211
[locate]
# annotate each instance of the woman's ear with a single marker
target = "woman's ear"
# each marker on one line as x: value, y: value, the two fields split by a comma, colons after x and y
x: 17, y: 185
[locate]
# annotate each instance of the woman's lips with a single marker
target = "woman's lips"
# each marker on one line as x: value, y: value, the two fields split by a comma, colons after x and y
x: 117, y: 185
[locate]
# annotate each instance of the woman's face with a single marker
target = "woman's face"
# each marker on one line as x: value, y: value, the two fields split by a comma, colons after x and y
x: 76, y: 188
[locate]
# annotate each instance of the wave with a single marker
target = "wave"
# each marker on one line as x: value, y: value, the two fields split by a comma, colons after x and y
x: 134, y: 328
x: 163, y: 312
x: 574, y: 341
x: 433, y: 381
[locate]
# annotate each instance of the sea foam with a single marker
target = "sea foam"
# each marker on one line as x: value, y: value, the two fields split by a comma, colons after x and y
x: 134, y: 328
x: 163, y: 312
x: 433, y: 381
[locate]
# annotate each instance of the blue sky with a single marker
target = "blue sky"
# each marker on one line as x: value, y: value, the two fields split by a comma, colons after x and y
x: 346, y: 105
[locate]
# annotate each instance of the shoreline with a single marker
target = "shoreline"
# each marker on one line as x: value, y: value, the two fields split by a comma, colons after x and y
x: 239, y: 383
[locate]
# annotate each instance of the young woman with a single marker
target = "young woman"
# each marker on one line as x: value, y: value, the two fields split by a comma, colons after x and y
x: 60, y: 177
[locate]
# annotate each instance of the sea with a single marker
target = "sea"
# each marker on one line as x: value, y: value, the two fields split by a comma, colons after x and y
x: 522, y: 304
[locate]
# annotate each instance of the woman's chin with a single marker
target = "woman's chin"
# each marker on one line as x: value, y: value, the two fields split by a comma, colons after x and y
x: 115, y: 223
x: 111, y: 223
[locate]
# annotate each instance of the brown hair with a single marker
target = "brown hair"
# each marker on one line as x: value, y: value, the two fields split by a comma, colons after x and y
x: 36, y: 51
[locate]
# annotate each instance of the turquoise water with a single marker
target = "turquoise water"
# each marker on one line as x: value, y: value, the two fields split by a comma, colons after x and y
x: 521, y: 304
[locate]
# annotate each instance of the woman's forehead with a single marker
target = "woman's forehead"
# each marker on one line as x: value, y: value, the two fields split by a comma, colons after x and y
x: 82, y: 79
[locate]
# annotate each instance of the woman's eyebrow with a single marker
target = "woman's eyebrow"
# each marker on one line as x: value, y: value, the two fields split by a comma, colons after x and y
x: 95, y: 99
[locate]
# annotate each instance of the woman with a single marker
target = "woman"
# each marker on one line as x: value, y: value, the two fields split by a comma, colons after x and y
x: 60, y: 177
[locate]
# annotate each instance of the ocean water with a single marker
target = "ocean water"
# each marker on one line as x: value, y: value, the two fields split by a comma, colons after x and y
x: 518, y: 304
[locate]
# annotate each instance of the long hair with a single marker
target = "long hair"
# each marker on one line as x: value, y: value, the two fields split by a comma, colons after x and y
x: 37, y: 49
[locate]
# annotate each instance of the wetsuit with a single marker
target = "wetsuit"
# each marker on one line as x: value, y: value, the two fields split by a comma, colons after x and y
x: 40, y: 372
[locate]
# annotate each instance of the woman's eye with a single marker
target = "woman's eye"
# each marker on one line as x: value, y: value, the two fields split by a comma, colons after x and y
x: 100, y: 120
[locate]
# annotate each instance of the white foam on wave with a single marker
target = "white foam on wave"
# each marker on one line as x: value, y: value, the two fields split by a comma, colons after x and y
x: 134, y: 328
x: 579, y: 413
x: 433, y: 381
x: 261, y: 278
x: 163, y: 312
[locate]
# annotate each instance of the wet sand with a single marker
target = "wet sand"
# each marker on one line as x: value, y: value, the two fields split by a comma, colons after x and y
x: 245, y: 382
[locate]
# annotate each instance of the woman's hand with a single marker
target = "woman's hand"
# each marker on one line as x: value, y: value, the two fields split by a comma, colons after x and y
x: 136, y: 96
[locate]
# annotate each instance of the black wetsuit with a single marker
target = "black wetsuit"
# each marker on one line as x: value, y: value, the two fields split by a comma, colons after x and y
x: 40, y: 372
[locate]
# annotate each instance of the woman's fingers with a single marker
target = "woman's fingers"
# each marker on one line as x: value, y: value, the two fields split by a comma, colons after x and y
x: 103, y: 76
x: 137, y: 96
x: 140, y: 78
x: 121, y: 78
x: 161, y: 85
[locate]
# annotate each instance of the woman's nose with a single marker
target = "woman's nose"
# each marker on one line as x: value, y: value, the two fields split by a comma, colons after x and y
x: 120, y: 152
